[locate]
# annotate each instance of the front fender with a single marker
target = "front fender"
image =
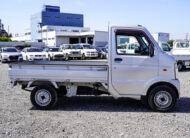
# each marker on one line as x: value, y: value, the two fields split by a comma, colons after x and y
x: 159, y: 79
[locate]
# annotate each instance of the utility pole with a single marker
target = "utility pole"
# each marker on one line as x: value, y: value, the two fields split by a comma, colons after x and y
x: 187, y: 36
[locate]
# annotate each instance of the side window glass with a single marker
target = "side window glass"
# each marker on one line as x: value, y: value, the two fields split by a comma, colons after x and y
x: 132, y: 45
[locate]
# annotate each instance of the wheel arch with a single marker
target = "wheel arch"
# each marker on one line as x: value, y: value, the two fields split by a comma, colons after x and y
x: 162, y: 83
x: 42, y: 82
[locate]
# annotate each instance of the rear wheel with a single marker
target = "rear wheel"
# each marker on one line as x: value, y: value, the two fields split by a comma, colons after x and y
x: 43, y: 97
x: 162, y: 98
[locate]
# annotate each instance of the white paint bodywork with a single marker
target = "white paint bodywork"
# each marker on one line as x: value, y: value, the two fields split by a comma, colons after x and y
x: 132, y: 77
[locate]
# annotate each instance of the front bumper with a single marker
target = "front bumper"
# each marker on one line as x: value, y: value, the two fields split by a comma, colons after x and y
x: 12, y: 59
x: 91, y: 55
x: 75, y: 55
x: 58, y: 57
x: 37, y: 58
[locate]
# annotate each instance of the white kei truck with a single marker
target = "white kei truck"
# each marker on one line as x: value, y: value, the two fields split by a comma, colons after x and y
x: 181, y: 52
x: 148, y: 74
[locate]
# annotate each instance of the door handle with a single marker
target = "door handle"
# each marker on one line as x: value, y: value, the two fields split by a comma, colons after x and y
x: 118, y: 59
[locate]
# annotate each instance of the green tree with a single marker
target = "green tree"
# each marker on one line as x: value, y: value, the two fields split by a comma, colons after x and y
x: 171, y: 43
x: 5, y: 39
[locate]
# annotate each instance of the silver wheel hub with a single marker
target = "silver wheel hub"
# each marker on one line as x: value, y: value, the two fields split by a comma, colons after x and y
x: 163, y: 99
x: 43, y: 97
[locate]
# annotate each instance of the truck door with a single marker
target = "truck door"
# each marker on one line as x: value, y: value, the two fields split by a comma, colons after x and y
x: 131, y: 71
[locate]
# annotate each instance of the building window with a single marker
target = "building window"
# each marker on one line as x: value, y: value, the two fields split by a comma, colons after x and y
x: 78, y: 18
x: 69, y: 18
x: 47, y: 16
x: 63, y: 30
x: 75, y: 30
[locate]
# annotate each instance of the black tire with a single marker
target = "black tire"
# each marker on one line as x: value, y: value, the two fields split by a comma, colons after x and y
x: 67, y: 57
x: 37, y: 93
x: 180, y: 66
x: 27, y: 58
x: 49, y: 58
x: 83, y: 57
x: 162, y: 93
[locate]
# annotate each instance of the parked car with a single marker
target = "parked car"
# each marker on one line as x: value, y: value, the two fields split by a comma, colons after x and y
x: 148, y: 75
x: 88, y: 51
x: 102, y: 53
x: 54, y: 54
x: 71, y: 51
x: 31, y: 54
x: 8, y: 54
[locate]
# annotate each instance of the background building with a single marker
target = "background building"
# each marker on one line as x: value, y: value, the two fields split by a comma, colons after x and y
x: 55, y: 28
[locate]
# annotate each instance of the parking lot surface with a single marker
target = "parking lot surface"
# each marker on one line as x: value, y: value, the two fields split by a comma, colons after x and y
x: 88, y: 116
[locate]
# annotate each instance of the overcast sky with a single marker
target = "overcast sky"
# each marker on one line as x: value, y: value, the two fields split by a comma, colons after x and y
x: 172, y: 16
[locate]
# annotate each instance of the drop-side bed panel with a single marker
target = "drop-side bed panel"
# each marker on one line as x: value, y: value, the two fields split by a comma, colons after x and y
x: 59, y: 71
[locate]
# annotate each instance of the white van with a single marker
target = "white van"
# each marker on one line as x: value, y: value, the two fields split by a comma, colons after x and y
x: 70, y: 51
x: 87, y: 50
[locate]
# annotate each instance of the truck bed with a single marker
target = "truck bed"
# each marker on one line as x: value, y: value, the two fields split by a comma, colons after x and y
x: 60, y: 71
x: 182, y: 57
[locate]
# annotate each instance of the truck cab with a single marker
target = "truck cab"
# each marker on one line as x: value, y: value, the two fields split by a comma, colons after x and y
x: 165, y: 47
x: 181, y: 52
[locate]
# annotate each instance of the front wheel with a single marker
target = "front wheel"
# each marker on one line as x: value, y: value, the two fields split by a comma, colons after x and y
x: 180, y: 66
x: 43, y: 97
x: 162, y: 98
x: 83, y: 57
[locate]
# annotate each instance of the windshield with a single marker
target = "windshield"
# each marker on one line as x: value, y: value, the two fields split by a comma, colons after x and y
x: 78, y: 47
x: 165, y: 47
x: 68, y: 47
x: 183, y: 45
x: 88, y: 47
x: 9, y: 50
x: 105, y: 50
x: 54, y: 49
x: 34, y: 50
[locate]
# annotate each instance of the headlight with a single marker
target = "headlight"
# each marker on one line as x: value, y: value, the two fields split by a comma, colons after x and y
x: 5, y: 56
x: 31, y: 55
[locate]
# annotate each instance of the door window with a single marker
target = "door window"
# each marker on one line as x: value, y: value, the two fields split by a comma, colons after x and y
x: 132, y: 45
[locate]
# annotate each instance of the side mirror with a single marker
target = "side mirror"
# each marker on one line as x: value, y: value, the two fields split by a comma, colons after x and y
x: 151, y: 50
